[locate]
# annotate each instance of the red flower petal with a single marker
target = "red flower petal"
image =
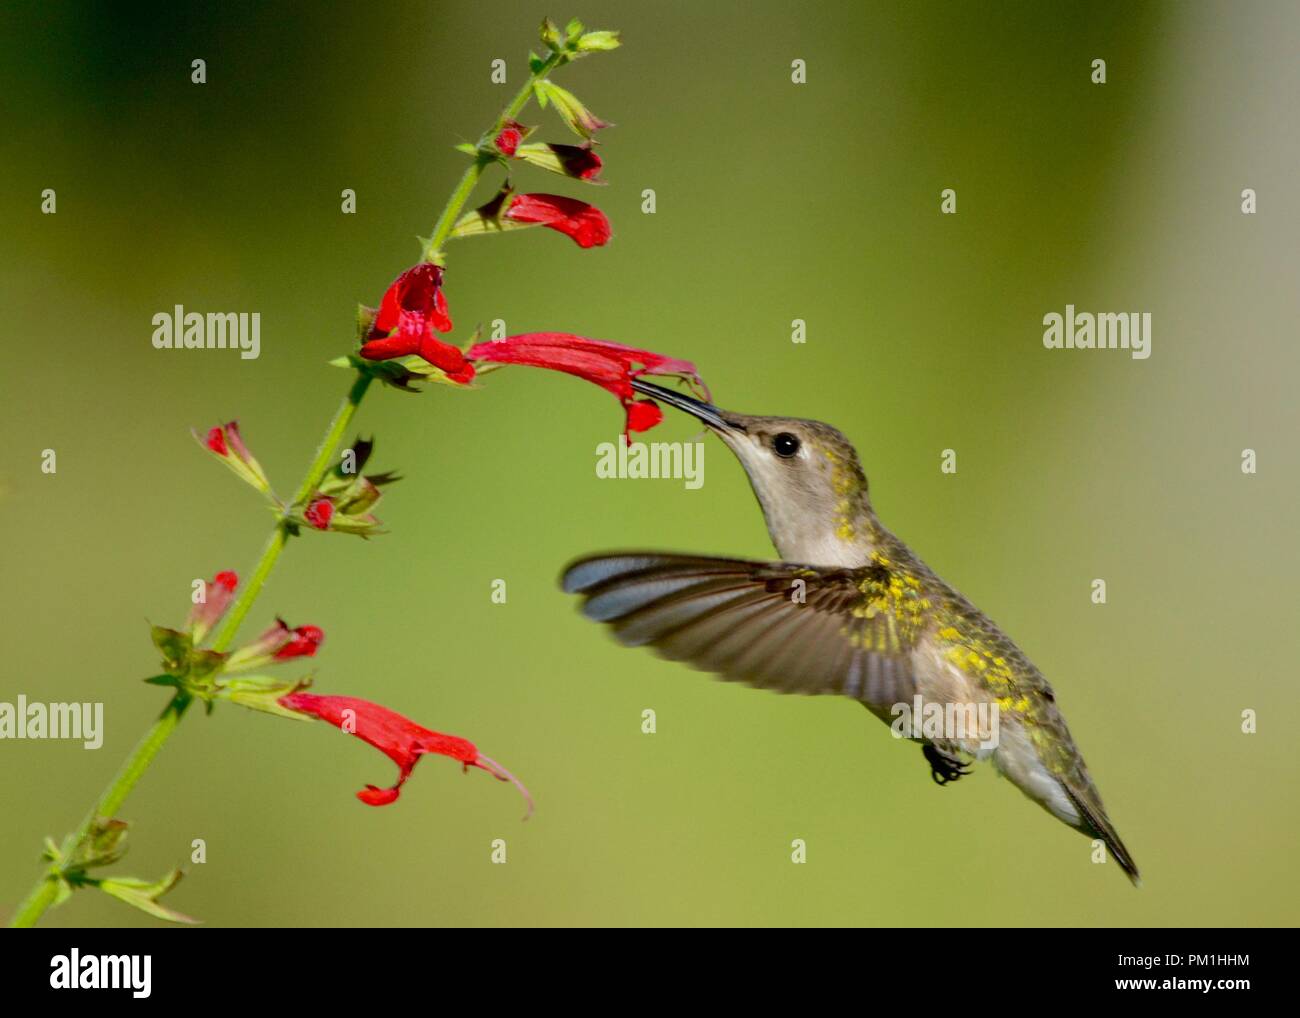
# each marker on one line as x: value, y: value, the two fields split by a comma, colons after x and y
x: 217, y: 442
x: 612, y: 366
x: 373, y: 796
x: 585, y: 223
x: 227, y: 579
x: 447, y: 357
x: 319, y: 513
x: 397, y: 737
x: 643, y: 414
x: 387, y: 349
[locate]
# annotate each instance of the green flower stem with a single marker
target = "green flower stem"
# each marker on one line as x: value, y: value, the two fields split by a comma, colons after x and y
x: 470, y: 178
x: 42, y: 896
x: 46, y: 891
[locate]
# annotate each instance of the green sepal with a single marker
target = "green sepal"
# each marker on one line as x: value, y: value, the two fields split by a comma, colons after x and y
x: 475, y: 224
x: 361, y: 526
x: 104, y: 844
x: 247, y: 469
x: 544, y: 157
x: 262, y: 693
x: 540, y: 94
x: 205, y: 663
x: 550, y: 35
x: 144, y: 895
x: 467, y: 148
x: 175, y: 648
x: 594, y: 42
x: 360, y: 497
x: 365, y: 319
x: 581, y: 120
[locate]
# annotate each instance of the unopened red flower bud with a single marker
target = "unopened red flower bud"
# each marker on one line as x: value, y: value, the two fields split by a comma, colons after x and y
x: 507, y: 142
x: 225, y: 441
x: 303, y: 642
x: 217, y: 442
x: 214, y: 598
x: 319, y: 513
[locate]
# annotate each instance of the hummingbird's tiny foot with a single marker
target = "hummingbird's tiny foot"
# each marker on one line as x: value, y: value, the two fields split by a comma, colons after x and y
x: 943, y: 768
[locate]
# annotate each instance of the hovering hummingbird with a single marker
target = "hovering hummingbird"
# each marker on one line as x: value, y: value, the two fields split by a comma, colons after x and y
x: 849, y: 610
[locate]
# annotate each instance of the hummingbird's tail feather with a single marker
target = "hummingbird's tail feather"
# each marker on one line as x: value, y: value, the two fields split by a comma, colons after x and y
x: 1096, y: 823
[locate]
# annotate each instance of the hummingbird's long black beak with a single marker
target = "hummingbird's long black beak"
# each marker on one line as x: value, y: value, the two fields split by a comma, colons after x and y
x: 706, y: 412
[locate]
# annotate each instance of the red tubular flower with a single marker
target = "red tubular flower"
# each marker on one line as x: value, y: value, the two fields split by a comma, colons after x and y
x: 585, y: 223
x: 397, y: 737
x: 612, y: 366
x: 414, y: 308
x: 319, y: 513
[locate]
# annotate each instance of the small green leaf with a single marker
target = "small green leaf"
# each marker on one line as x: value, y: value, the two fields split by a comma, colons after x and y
x: 164, y: 680
x: 535, y: 63
x: 144, y: 895
x: 175, y: 648
x: 550, y: 35
x: 467, y: 148
x: 63, y: 891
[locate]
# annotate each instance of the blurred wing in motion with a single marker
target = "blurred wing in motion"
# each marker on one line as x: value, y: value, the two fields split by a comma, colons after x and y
x: 775, y: 625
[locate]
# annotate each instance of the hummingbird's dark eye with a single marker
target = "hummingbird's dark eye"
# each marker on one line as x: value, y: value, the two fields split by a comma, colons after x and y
x: 785, y: 445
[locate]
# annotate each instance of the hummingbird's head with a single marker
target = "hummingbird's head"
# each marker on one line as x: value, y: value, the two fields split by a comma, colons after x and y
x: 805, y: 474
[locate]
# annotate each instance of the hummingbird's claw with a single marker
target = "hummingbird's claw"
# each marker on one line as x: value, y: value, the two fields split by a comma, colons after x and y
x: 943, y: 768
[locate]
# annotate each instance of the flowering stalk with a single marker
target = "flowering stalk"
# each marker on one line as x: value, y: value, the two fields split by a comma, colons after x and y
x: 398, y: 345
x: 97, y: 839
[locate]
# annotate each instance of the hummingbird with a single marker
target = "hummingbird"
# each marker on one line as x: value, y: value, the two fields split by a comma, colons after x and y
x: 848, y: 610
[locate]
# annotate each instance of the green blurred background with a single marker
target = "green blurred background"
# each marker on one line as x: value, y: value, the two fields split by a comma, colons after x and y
x: 775, y: 201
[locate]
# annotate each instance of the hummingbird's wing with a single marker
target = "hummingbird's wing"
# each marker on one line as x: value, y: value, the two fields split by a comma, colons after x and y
x: 776, y: 625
